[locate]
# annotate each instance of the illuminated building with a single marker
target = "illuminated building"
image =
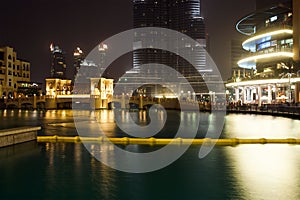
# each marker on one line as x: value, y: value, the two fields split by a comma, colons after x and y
x: 58, y: 64
x: 78, y: 56
x: 269, y: 71
x: 56, y: 86
x: 182, y: 16
x: 15, y: 75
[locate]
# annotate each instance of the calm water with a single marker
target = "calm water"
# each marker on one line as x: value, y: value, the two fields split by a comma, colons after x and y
x: 67, y: 171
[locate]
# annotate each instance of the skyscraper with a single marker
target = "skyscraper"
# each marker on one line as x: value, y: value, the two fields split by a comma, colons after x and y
x: 58, y: 64
x: 182, y: 16
x: 78, y: 56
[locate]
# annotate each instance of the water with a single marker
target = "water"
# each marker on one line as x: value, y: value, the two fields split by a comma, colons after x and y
x: 67, y: 171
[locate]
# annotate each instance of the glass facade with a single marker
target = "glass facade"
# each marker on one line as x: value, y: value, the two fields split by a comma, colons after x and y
x: 182, y: 16
x: 58, y: 63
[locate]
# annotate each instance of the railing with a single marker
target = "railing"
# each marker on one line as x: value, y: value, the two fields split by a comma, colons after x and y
x: 274, y: 49
x: 272, y: 109
x: 262, y: 29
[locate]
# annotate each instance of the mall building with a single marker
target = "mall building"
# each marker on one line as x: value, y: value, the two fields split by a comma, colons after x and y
x: 268, y: 71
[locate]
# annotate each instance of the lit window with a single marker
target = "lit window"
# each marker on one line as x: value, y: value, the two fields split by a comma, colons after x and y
x: 272, y: 19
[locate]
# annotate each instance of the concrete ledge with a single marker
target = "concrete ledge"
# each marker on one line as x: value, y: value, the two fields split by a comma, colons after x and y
x: 18, y: 135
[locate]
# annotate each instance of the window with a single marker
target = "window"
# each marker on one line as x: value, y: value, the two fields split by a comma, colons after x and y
x: 1, y: 55
x: 272, y: 19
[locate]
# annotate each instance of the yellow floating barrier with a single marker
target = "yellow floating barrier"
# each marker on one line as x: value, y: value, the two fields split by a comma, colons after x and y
x: 166, y: 141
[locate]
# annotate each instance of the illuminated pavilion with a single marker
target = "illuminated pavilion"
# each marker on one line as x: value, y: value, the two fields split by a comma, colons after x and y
x: 269, y: 70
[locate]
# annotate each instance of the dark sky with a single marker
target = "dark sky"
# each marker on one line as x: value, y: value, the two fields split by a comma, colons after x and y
x: 30, y: 26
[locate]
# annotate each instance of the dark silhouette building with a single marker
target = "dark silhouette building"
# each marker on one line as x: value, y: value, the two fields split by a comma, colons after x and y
x: 78, y: 56
x: 182, y: 16
x: 58, y: 63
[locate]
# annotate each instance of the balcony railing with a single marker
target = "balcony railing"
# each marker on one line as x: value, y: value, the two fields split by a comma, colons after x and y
x: 262, y: 29
x: 266, y: 53
x: 275, y: 49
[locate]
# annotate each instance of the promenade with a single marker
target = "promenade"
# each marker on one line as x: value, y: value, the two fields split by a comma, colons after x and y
x: 284, y: 110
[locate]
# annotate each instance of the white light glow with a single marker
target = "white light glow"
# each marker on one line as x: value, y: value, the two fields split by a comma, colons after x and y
x: 269, y: 55
x: 77, y: 96
x: 262, y: 82
x: 288, y: 31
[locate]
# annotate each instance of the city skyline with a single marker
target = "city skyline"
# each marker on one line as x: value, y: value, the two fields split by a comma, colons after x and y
x: 91, y: 24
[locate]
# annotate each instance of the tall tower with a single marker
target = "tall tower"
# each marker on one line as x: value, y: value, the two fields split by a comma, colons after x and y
x: 181, y: 16
x: 78, y: 56
x: 58, y: 64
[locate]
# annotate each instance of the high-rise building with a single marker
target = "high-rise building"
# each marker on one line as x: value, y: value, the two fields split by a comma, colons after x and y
x: 58, y: 64
x: 78, y: 56
x: 182, y: 16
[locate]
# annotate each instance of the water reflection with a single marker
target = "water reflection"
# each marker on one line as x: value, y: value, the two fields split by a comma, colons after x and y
x: 61, y: 122
x: 260, y: 126
x: 266, y: 171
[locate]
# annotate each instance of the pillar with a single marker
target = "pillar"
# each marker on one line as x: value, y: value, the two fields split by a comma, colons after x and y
x: 140, y: 102
x: 51, y: 103
x: 237, y: 94
x: 19, y: 103
x: 259, y: 95
x: 97, y: 103
x: 123, y: 105
x: 34, y: 102
x: 297, y: 92
x: 104, y: 103
x: 276, y: 93
x: 244, y: 95
x: 269, y: 94
x: 248, y: 94
x: 252, y: 94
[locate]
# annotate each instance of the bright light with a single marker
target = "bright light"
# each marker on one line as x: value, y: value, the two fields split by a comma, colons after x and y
x: 262, y: 82
x: 272, y: 19
x: 103, y: 47
x: 168, y: 97
x: 288, y: 31
x: 51, y: 47
x: 269, y: 55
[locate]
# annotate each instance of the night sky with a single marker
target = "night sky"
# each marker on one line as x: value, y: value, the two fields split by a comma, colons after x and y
x: 30, y: 26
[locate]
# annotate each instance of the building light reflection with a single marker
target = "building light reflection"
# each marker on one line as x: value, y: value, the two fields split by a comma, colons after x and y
x: 257, y: 167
